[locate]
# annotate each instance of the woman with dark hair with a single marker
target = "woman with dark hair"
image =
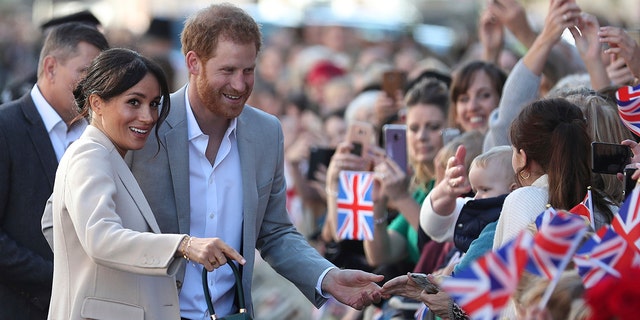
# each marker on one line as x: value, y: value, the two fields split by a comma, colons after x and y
x: 476, y: 89
x: 550, y: 144
x: 110, y: 259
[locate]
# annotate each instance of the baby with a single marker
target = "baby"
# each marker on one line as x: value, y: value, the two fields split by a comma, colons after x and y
x: 446, y: 216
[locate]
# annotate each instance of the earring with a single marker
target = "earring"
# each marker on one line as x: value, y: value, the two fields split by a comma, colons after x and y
x: 522, y: 175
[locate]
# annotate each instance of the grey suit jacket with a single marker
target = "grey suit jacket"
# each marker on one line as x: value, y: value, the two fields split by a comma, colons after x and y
x: 27, y: 169
x: 110, y: 260
x: 164, y: 178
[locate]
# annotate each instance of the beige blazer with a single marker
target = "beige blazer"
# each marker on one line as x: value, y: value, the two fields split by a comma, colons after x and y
x: 110, y: 261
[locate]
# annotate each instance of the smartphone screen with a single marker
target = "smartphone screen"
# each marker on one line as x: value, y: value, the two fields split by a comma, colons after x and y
x: 609, y: 158
x: 318, y: 156
x: 361, y: 135
x: 395, y: 143
x: 392, y: 81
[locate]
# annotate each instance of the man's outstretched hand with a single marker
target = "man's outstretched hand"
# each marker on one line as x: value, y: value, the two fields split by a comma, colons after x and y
x: 354, y: 288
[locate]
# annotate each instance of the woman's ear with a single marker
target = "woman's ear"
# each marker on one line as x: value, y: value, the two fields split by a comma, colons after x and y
x: 521, y: 159
x: 96, y: 104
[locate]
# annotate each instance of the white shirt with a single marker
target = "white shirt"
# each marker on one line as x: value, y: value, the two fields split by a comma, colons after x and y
x: 521, y: 207
x: 60, y: 135
x: 216, y: 211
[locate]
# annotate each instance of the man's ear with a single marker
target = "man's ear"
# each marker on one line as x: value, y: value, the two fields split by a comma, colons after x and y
x: 49, y: 65
x: 194, y: 64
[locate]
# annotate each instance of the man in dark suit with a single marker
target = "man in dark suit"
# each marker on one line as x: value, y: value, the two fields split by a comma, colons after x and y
x: 23, y: 84
x: 35, y: 130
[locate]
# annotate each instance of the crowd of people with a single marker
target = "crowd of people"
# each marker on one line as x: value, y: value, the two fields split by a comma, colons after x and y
x: 126, y: 173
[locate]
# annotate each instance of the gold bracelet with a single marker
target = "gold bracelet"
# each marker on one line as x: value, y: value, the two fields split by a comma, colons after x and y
x: 185, y: 249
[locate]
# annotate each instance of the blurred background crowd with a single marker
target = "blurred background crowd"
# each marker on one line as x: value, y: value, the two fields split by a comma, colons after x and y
x: 321, y: 68
x: 355, y: 32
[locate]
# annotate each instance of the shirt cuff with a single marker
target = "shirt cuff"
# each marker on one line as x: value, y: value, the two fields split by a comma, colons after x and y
x: 319, y: 283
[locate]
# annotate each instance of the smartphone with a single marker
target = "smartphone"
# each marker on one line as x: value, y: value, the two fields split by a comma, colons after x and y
x: 629, y: 183
x: 318, y: 156
x: 609, y: 158
x: 395, y: 143
x: 361, y: 135
x: 423, y: 281
x: 392, y: 81
x: 449, y: 134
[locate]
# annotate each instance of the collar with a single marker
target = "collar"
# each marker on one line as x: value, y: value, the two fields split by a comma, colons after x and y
x: 542, y: 182
x: 49, y: 116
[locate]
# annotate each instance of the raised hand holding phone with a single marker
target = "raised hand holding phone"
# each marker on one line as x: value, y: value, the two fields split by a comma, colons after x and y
x: 362, y: 136
x: 395, y: 144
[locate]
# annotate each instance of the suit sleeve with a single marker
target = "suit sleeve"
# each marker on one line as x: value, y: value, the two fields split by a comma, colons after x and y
x: 284, y: 248
x: 17, y: 263
x: 47, y: 223
x: 90, y: 185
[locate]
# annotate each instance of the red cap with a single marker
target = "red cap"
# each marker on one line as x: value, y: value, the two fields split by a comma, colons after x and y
x: 323, y: 71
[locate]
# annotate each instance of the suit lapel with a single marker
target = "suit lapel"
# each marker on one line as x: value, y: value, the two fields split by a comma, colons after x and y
x: 249, y: 188
x: 40, y: 138
x: 127, y: 178
x: 177, y: 140
x: 134, y: 190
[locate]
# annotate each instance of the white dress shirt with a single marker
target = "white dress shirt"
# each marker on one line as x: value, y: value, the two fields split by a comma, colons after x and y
x: 60, y: 135
x: 216, y: 211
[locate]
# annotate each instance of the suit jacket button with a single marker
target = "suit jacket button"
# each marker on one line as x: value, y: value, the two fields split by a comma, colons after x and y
x: 179, y: 284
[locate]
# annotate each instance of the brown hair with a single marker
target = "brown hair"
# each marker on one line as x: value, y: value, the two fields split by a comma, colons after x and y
x: 553, y: 133
x: 205, y: 28
x: 63, y: 40
x: 604, y: 125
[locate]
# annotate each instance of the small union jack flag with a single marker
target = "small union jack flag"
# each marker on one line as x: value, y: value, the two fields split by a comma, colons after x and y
x: 546, y: 216
x: 627, y: 94
x: 628, y: 99
x: 483, y: 289
x: 555, y: 243
x: 627, y: 221
x: 603, y: 255
x: 355, y: 205
x: 585, y: 208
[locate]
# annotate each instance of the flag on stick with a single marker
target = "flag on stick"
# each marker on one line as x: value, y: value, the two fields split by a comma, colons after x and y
x: 585, y: 208
x: 627, y: 221
x: 604, y: 255
x: 483, y: 289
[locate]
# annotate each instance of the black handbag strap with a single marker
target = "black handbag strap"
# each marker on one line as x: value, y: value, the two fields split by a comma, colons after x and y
x: 238, y: 288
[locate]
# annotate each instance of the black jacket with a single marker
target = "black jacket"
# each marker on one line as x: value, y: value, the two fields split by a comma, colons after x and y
x: 474, y: 216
